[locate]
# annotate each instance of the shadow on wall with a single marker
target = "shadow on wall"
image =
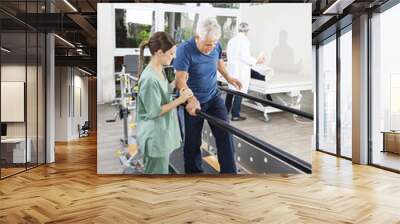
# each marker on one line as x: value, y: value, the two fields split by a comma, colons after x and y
x: 282, y: 57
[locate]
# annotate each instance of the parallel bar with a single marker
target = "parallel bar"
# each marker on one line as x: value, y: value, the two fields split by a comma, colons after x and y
x: 269, y: 103
x: 268, y: 148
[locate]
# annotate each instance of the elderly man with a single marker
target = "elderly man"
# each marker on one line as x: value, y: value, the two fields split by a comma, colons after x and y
x: 196, y: 64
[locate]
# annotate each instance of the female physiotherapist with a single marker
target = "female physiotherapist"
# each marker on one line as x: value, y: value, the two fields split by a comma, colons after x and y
x: 157, y: 124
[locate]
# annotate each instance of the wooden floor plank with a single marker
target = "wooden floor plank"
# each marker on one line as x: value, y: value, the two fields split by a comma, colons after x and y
x: 70, y: 191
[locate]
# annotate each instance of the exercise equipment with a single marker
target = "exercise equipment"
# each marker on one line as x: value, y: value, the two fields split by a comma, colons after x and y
x: 129, y: 154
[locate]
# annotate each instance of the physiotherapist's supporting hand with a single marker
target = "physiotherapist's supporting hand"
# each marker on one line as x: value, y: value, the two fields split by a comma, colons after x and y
x: 184, y: 95
x: 235, y: 82
x: 192, y: 105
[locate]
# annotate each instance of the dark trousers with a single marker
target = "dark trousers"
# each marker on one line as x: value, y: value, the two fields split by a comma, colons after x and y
x: 258, y: 76
x: 237, y: 102
x: 223, y: 139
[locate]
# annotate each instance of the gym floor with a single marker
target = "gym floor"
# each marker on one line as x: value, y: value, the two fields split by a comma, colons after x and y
x: 281, y: 130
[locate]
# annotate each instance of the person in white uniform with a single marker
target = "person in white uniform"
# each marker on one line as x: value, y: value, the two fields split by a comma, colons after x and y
x: 239, y: 66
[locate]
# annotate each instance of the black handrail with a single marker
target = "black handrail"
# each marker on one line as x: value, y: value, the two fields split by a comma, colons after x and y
x: 269, y: 103
x: 268, y: 148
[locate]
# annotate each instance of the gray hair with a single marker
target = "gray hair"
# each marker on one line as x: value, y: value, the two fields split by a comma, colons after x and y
x: 243, y: 27
x: 208, y: 28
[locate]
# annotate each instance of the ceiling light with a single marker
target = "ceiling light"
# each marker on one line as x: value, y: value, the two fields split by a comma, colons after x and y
x: 331, y: 7
x: 70, y: 5
x: 5, y: 50
x: 337, y: 7
x: 86, y: 72
x: 65, y: 41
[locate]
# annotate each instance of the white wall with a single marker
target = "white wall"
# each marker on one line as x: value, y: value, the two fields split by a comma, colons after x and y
x: 14, y: 73
x: 12, y: 100
x: 105, y: 53
x: 268, y: 22
x: 69, y: 83
x: 81, y: 84
x: 61, y: 103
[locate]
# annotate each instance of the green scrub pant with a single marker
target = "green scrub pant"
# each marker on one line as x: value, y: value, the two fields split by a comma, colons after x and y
x: 156, y: 165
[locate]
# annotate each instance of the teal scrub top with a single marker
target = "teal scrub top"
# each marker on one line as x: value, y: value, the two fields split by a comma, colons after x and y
x: 157, y: 135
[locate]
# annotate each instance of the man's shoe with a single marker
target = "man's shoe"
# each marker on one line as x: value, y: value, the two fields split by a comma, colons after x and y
x: 238, y: 118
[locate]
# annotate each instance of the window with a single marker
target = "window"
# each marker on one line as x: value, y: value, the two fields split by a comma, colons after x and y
x: 22, y: 76
x: 385, y: 89
x: 133, y: 26
x: 181, y: 26
x: 228, y: 27
x: 346, y: 94
x: 327, y: 96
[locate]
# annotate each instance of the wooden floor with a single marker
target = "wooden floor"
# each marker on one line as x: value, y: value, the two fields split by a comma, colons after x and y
x: 70, y: 191
x: 387, y: 159
x: 10, y: 171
